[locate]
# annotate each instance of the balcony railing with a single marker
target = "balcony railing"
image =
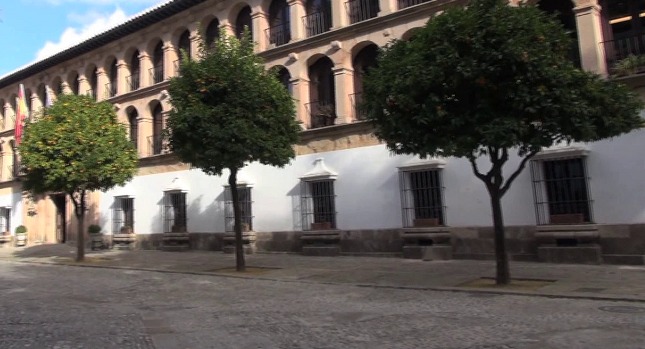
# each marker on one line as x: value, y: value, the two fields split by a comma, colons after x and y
x: 361, y: 10
x: 133, y: 81
x: 625, y: 56
x: 357, y: 100
x: 317, y: 22
x: 278, y: 34
x: 157, y: 144
x: 110, y: 90
x: 156, y: 74
x: 321, y: 113
x: 407, y: 3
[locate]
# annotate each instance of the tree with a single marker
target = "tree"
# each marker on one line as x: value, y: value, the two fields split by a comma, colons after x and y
x: 486, y: 81
x: 76, y: 147
x: 230, y: 111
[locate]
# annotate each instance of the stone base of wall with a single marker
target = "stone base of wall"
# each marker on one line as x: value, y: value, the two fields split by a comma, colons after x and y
x: 617, y: 244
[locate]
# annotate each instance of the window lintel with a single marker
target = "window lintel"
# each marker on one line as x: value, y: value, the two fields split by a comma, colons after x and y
x: 319, y: 172
x: 424, y: 164
x: 576, y: 151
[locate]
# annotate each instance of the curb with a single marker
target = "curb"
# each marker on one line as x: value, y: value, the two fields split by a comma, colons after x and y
x: 362, y: 285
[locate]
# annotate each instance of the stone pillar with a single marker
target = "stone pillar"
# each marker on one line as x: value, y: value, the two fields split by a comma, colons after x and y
x: 170, y: 60
x: 36, y: 105
x: 589, y: 23
x: 387, y: 7
x: 144, y: 129
x: 102, y: 80
x: 296, y: 12
x: 344, y: 86
x: 226, y: 25
x: 145, y: 64
x: 194, y: 39
x: 122, y: 72
x: 65, y: 87
x: 83, y: 84
x: 300, y: 95
x: 259, y: 23
x: 339, y: 15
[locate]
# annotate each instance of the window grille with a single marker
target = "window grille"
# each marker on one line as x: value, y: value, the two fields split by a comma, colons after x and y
x: 246, y: 213
x: 5, y: 219
x: 422, y: 198
x: 561, y: 191
x: 174, y: 212
x: 123, y: 215
x: 318, y: 205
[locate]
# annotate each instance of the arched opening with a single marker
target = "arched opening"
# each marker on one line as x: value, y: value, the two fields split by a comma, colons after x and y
x: 93, y: 80
x: 279, y: 32
x: 361, y: 10
x: 28, y: 95
x: 243, y: 20
x: 212, y: 32
x: 563, y: 9
x: 57, y: 86
x: 318, y: 17
x: 3, y: 114
x: 184, y: 45
x: 133, y: 123
x: 623, y: 30
x: 112, y: 76
x: 73, y: 83
x: 363, y: 61
x: 42, y: 95
x: 284, y: 77
x: 135, y: 71
x: 15, y: 159
x: 157, y: 129
x: 322, y: 93
x: 157, y: 63
x: 13, y: 103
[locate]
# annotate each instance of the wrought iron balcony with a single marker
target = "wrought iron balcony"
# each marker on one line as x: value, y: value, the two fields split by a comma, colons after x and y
x: 407, y: 3
x: 278, y: 34
x: 156, y: 74
x: 321, y: 113
x: 133, y: 81
x: 110, y: 90
x: 625, y: 56
x: 317, y: 22
x: 357, y: 99
x: 157, y: 145
x: 361, y: 10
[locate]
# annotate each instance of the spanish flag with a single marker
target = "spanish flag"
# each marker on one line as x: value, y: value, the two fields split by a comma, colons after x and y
x: 21, y: 114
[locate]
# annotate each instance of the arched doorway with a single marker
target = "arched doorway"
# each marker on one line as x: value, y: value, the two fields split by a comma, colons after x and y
x: 322, y: 93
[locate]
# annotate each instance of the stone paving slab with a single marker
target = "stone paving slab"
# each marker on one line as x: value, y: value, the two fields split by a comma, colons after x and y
x: 609, y: 282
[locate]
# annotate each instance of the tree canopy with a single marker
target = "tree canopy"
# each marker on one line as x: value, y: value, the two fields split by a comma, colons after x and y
x: 75, y: 147
x: 228, y: 111
x: 485, y: 80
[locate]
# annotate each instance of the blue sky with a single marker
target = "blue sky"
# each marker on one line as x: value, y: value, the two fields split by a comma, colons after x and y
x: 35, y: 29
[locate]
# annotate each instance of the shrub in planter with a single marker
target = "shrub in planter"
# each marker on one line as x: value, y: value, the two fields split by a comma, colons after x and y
x: 21, y: 230
x: 94, y: 229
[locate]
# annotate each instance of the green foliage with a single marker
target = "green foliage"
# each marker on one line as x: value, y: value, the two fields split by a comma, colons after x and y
x: 629, y: 65
x: 94, y: 229
x: 490, y: 77
x: 77, y: 145
x: 229, y: 110
x: 21, y: 230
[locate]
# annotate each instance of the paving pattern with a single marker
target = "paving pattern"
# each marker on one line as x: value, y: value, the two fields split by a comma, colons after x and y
x: 51, y: 306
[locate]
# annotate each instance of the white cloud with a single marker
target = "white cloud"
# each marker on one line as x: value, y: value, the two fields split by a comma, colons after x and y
x: 92, y: 23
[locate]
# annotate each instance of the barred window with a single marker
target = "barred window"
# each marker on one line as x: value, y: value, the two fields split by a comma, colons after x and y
x: 318, y: 205
x: 246, y: 213
x: 123, y: 215
x: 174, y: 212
x: 5, y: 219
x: 561, y: 191
x: 422, y: 198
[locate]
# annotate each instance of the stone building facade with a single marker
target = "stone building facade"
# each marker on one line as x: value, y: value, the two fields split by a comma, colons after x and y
x: 344, y: 193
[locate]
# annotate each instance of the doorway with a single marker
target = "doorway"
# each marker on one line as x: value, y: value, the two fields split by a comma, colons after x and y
x: 61, y: 217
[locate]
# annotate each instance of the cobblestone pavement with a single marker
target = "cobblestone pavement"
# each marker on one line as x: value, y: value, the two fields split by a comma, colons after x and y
x: 54, y: 306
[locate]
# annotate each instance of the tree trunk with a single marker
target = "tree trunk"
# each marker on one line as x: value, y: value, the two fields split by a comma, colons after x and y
x: 503, y: 274
x: 239, y: 247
